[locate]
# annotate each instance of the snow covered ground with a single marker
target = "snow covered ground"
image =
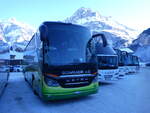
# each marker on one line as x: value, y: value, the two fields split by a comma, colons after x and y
x: 128, y: 95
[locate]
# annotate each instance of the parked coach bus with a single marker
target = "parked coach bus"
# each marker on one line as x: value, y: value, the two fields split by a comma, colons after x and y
x: 106, y: 57
x: 4, y: 65
x: 122, y: 62
x: 132, y: 64
x: 55, y: 63
x: 136, y: 63
x: 128, y: 63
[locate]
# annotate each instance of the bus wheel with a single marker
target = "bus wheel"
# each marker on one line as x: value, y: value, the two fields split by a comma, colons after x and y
x: 6, y: 84
x: 34, y: 91
x: 7, y: 81
x: 25, y: 79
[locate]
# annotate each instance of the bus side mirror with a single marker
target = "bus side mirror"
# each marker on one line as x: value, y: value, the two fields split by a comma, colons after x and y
x: 102, y: 36
x: 43, y: 32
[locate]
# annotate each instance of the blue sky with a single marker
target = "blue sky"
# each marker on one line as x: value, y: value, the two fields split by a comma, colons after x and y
x: 133, y: 13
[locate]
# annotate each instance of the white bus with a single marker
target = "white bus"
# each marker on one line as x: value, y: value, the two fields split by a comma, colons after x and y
x: 106, y: 57
x: 122, y: 62
x: 132, y: 64
x: 127, y: 62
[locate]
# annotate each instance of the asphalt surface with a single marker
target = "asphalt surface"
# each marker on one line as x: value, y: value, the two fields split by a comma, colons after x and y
x: 130, y: 94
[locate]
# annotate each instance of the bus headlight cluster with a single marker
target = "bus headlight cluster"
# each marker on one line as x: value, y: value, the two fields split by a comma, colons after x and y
x: 117, y: 73
x: 50, y: 82
x: 95, y: 79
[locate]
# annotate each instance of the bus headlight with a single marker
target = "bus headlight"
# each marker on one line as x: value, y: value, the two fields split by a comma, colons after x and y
x: 117, y: 73
x: 51, y: 82
x: 95, y: 79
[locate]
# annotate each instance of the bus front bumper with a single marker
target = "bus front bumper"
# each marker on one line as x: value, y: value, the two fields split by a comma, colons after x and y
x: 66, y: 93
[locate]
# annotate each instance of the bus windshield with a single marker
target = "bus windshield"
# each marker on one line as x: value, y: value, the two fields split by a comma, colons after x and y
x: 135, y: 60
x: 65, y: 47
x: 107, y: 61
x: 129, y: 60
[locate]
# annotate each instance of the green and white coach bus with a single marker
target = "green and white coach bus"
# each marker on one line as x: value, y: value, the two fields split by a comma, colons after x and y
x: 55, y: 63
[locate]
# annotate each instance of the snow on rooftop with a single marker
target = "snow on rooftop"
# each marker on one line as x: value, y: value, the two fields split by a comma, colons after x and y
x: 17, y: 55
x: 127, y: 50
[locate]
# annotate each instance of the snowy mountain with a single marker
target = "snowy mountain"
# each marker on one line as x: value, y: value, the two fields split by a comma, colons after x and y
x: 118, y: 34
x: 12, y: 31
x: 16, y: 34
x: 141, y: 45
x: 143, y: 39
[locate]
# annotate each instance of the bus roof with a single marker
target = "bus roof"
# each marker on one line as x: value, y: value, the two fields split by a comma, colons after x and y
x: 107, y: 50
x: 105, y: 55
x: 50, y: 23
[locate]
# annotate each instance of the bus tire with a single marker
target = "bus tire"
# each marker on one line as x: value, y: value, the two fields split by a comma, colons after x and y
x: 6, y: 84
x: 25, y: 79
x: 35, y: 93
x: 7, y: 81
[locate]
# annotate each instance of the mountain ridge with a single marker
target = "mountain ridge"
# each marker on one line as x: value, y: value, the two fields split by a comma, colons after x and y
x: 141, y: 45
x: 98, y: 23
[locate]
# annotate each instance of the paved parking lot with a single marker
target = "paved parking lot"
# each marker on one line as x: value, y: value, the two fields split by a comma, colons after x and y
x: 128, y: 95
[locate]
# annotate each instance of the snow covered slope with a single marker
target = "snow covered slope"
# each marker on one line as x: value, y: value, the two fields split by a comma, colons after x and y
x: 118, y: 34
x: 143, y: 39
x: 16, y: 34
x: 141, y: 45
x: 13, y: 31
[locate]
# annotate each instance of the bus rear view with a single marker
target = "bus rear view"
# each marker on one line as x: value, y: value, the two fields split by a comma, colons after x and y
x: 60, y: 67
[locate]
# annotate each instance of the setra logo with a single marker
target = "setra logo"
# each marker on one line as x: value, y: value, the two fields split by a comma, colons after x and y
x: 75, y: 72
x: 72, y: 72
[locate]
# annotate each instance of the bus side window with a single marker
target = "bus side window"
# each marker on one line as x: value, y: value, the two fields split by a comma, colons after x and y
x: 38, y: 41
x: 39, y: 46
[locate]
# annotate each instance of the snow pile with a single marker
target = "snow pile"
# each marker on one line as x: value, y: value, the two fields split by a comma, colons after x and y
x: 118, y: 34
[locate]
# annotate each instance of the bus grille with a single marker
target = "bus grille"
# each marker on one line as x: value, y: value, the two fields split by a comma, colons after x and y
x: 73, y: 82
